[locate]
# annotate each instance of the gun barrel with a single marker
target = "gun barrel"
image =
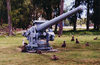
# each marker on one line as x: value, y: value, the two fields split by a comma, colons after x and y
x: 58, y: 19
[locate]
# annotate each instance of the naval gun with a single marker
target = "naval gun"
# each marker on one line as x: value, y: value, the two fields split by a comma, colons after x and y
x: 40, y: 34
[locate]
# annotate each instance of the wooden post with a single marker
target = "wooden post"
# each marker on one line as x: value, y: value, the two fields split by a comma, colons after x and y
x: 9, y: 17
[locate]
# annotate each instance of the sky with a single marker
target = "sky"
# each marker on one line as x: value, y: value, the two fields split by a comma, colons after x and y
x: 68, y: 5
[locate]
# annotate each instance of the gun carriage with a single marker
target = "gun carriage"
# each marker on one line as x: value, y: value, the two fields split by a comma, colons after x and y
x: 38, y: 35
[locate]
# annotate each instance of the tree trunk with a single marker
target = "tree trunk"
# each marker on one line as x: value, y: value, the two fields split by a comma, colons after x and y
x: 74, y: 27
x: 1, y: 21
x: 94, y: 26
x: 74, y: 22
x: 61, y: 12
x: 88, y: 18
x: 9, y: 17
x: 97, y: 26
x: 55, y: 29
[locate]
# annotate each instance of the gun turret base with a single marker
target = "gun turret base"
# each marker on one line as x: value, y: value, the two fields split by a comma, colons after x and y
x: 42, y: 45
x: 44, y: 48
x: 43, y: 51
x: 38, y: 48
x: 33, y: 50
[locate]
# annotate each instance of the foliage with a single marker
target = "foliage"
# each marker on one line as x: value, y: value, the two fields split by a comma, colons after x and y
x: 96, y: 14
x: 25, y: 11
x: 47, y: 7
x: 3, y: 11
x: 21, y: 13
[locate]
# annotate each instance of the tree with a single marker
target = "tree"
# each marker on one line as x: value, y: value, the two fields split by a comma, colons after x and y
x: 61, y: 12
x: 96, y: 14
x: 9, y: 17
x: 88, y: 9
x: 89, y: 4
x: 77, y: 3
x: 21, y: 13
x: 3, y: 11
x: 48, y: 7
x: 1, y: 3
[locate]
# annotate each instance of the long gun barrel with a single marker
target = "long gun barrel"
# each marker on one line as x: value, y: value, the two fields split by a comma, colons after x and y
x: 58, y: 19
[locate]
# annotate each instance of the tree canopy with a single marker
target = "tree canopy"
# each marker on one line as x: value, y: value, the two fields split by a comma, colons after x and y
x: 23, y: 12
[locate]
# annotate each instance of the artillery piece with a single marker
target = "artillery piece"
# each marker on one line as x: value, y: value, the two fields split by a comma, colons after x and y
x: 39, y: 37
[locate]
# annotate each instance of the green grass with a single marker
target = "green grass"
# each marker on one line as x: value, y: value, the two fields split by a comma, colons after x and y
x: 80, y: 32
x: 73, y: 54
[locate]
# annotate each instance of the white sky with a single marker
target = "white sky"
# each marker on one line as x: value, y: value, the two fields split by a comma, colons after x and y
x: 67, y: 3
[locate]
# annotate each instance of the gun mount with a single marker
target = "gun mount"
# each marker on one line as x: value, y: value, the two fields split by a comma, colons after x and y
x: 38, y: 35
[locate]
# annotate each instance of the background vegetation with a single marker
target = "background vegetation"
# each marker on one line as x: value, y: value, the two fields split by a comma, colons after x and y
x: 23, y: 12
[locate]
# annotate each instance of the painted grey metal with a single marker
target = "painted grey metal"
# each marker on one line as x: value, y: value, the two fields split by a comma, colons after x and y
x: 58, y: 19
x: 39, y: 37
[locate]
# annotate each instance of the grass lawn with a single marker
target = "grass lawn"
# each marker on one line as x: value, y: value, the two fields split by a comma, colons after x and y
x: 73, y: 54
